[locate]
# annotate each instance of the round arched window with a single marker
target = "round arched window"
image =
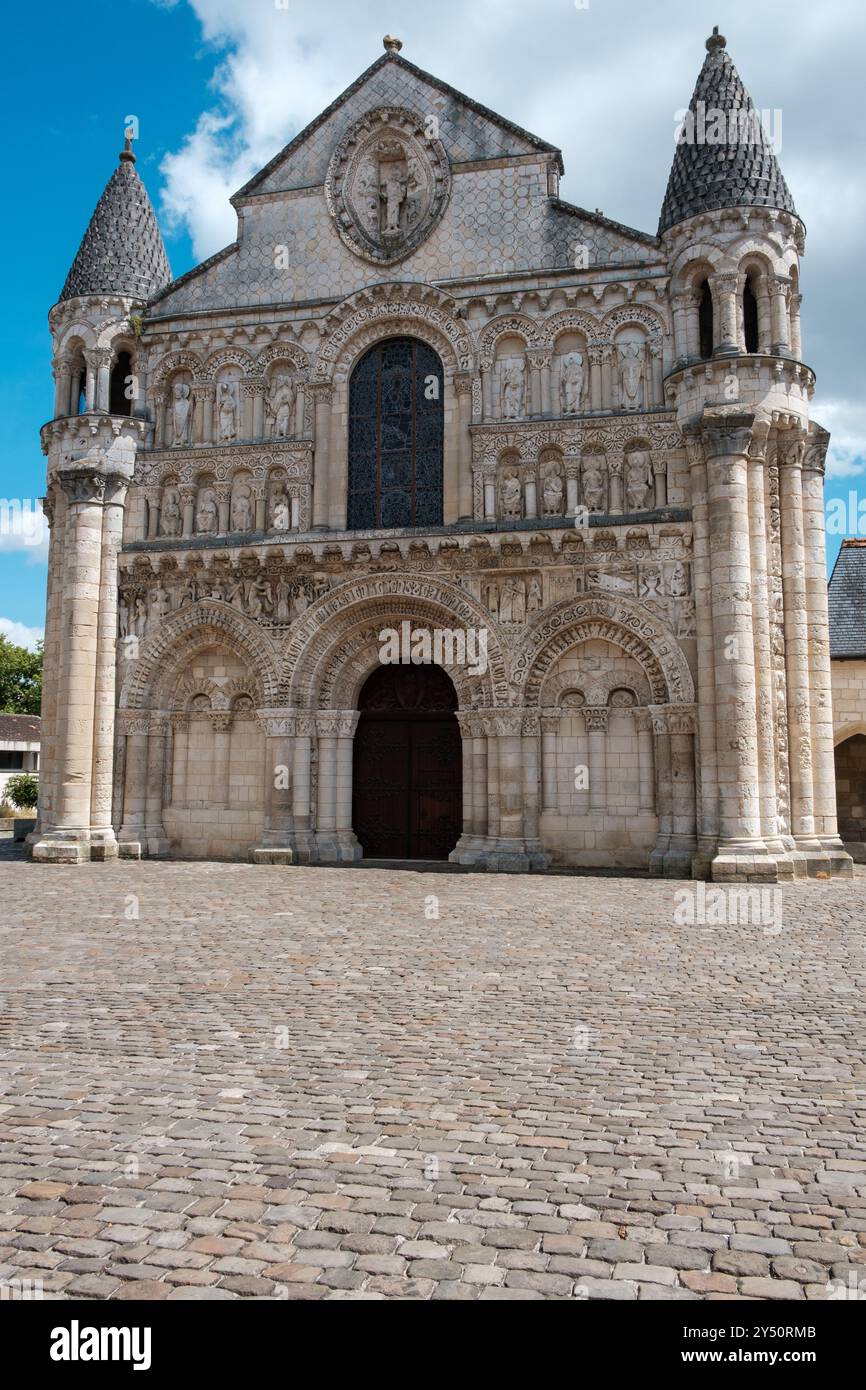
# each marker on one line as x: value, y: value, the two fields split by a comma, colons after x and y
x: 395, y: 437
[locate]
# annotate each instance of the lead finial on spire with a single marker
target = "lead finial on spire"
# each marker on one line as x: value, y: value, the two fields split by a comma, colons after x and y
x: 127, y: 154
x: 716, y: 40
x: 392, y: 45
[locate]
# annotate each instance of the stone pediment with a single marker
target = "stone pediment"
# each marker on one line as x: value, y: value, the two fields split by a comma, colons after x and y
x: 468, y: 131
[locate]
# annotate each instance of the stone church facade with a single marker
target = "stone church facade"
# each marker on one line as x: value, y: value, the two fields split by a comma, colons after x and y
x: 421, y: 394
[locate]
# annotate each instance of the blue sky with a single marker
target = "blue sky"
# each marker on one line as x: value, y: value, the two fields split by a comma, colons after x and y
x: 219, y: 85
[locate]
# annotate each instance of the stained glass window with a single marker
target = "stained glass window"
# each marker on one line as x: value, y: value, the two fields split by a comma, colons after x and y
x: 395, y: 437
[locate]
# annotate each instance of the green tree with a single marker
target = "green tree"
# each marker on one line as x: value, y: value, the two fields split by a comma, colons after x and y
x: 22, y: 791
x: 20, y: 678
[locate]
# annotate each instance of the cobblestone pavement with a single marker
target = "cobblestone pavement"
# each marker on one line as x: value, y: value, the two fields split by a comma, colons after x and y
x: 223, y: 1081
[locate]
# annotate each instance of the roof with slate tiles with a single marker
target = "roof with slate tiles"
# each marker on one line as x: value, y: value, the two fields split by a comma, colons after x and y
x: 122, y: 251
x: 706, y: 176
x: 847, y: 602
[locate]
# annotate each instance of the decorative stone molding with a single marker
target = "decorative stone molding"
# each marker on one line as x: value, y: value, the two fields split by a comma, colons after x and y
x: 388, y: 310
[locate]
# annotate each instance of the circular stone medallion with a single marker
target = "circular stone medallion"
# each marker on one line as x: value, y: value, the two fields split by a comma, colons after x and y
x: 387, y: 185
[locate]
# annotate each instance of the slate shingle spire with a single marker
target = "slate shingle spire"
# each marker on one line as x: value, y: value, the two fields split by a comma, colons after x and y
x: 122, y: 251
x: 742, y: 172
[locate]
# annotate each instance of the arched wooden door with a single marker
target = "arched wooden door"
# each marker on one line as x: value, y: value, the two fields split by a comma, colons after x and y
x: 407, y: 768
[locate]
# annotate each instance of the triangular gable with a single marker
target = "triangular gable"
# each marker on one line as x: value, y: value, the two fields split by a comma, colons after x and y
x: 469, y: 131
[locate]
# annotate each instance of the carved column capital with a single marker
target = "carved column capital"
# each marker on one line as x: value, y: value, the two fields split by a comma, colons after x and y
x: 596, y: 717
x: 82, y: 484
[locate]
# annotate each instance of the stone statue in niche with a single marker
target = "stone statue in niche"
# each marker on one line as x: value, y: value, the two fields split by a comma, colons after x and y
x: 228, y: 412
x: 281, y: 405
x: 491, y: 597
x: 169, y: 516
x: 181, y: 413
x: 551, y: 494
x: 631, y: 375
x: 593, y: 483
x: 158, y: 608
x: 511, y: 495
x: 206, y: 513
x: 638, y: 480
x: 678, y: 582
x: 242, y: 511
x: 512, y: 601
x: 534, y: 599
x: 571, y: 383
x: 280, y: 512
x: 512, y: 387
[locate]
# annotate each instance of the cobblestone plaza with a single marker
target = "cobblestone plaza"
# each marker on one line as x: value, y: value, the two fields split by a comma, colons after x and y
x: 228, y: 1082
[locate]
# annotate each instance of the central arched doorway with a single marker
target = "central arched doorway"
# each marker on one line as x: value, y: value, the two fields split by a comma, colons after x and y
x: 407, y: 765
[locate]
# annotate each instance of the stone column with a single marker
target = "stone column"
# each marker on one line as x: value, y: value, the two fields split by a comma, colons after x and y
x: 531, y: 495
x: 678, y: 859
x: 549, y: 785
x: 779, y: 287
x: 180, y: 725
x: 795, y: 334
x: 487, y: 391
x: 664, y: 789
x: 835, y: 856
x: 221, y: 725
x: 103, y: 380
x: 725, y: 288
x: 154, y: 831
x: 596, y: 354
x: 607, y: 392
x: 656, y: 354
x: 507, y: 851
x: 187, y: 502
x: 531, y: 781
x: 660, y: 478
x: 62, y: 369
x: 103, y: 842
x: 132, y: 838
x: 465, y: 722
x: 646, y: 776
x: 539, y: 362
x: 67, y: 838
x: 572, y: 472
x: 595, y: 719
x: 305, y: 728
x: 791, y: 454
x: 742, y: 853
x: 90, y: 388
x: 766, y: 789
x: 685, y: 314
x: 224, y: 501
x: 255, y: 388
x: 335, y: 839
x: 708, y: 811
x: 54, y: 510
x: 489, y: 484
x: 275, y: 846
x: 322, y: 397
x: 614, y: 473
x: 463, y: 388
x: 74, y: 390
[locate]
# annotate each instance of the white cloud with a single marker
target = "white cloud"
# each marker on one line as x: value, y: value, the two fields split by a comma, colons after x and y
x: 23, y: 529
x: 846, y: 421
x: 603, y: 83
x: 20, y: 634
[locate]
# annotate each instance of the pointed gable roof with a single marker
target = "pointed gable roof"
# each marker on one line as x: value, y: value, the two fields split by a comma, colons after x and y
x: 122, y: 251
x: 739, y: 173
x: 393, y: 56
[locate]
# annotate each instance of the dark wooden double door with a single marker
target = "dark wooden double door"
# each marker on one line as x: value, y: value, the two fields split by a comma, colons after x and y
x: 407, y: 766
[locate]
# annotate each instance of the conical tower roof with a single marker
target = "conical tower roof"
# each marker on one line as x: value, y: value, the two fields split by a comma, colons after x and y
x: 741, y: 172
x: 122, y: 250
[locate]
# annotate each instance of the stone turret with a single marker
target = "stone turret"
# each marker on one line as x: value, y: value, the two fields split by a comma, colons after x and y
x: 91, y: 443
x: 733, y: 242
